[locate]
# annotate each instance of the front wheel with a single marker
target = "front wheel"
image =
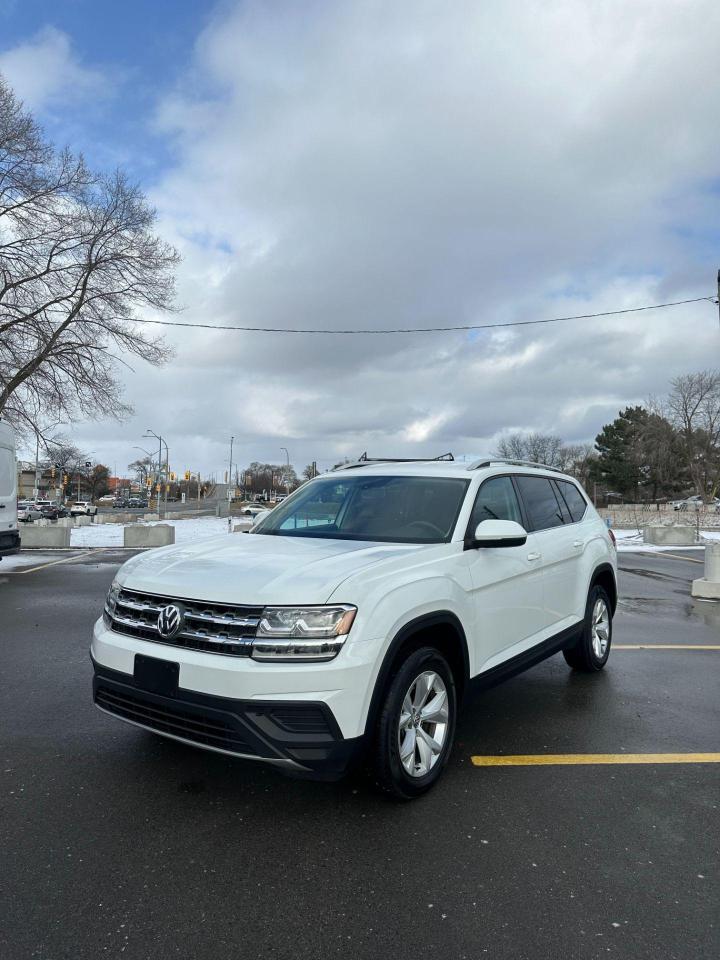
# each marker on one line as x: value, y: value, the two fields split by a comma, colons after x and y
x: 591, y: 651
x: 416, y: 726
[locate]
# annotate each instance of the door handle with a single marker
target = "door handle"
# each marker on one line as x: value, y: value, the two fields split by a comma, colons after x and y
x: 534, y: 556
x: 577, y: 543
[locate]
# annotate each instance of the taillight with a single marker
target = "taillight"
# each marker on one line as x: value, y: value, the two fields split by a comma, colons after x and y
x: 612, y: 537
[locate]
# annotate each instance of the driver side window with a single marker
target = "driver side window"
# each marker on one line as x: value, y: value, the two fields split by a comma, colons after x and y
x: 496, y: 500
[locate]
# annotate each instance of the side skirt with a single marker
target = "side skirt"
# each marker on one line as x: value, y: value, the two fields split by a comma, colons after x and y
x: 528, y: 658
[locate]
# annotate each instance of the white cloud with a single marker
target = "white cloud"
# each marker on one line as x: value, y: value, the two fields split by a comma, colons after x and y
x: 413, y: 164
x: 44, y: 72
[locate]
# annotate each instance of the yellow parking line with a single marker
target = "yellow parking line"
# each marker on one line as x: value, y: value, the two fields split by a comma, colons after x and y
x: 54, y: 563
x: 666, y: 646
x: 546, y: 759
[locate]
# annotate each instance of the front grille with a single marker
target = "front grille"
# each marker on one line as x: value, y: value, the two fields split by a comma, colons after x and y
x: 200, y: 728
x: 211, y: 627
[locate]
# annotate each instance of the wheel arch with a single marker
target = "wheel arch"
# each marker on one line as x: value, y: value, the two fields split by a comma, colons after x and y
x: 604, y: 576
x: 441, y: 629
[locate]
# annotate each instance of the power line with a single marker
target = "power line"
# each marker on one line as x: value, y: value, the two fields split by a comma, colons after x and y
x: 468, y: 326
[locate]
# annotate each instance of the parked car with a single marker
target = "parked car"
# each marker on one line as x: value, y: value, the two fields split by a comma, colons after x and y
x: 696, y: 503
x: 49, y: 511
x: 137, y: 503
x: 253, y: 511
x: 352, y: 618
x: 107, y: 498
x: 83, y: 508
x: 27, y: 511
x: 120, y: 503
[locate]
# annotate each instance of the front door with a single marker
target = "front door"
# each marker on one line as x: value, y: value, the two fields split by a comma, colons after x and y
x: 507, y: 582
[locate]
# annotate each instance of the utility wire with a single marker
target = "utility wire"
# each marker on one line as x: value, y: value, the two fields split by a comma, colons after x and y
x: 468, y: 326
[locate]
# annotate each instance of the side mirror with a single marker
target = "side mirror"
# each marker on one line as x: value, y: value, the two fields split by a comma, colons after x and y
x: 499, y: 533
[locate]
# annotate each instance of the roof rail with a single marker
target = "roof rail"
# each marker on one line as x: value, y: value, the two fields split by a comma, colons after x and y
x: 364, y: 461
x: 491, y: 461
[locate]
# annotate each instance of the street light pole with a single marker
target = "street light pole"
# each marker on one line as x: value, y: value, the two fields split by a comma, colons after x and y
x: 287, y: 475
x: 167, y: 461
x: 230, y: 472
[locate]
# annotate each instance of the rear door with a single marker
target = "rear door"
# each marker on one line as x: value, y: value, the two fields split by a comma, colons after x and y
x: 507, y: 581
x: 560, y: 545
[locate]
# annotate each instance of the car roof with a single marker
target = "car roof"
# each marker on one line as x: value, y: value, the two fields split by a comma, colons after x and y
x: 466, y: 470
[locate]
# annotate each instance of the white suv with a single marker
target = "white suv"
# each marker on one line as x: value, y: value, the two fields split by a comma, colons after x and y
x: 83, y: 508
x: 350, y: 620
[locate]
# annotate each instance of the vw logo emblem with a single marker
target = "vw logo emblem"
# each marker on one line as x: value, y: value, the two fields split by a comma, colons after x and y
x: 170, y: 621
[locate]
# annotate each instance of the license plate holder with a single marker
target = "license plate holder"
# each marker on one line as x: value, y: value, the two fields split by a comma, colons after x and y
x: 156, y: 676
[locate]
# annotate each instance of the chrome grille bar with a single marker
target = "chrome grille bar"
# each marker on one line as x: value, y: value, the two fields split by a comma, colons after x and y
x: 213, y: 628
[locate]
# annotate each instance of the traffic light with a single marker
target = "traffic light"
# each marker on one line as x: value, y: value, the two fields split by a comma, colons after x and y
x: 52, y: 473
x: 66, y: 479
x: 173, y: 476
x: 148, y: 482
x: 187, y: 474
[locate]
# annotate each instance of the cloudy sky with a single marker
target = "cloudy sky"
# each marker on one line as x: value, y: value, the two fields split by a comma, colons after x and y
x: 366, y: 164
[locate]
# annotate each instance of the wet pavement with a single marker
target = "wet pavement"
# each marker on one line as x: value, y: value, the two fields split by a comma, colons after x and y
x: 117, y: 843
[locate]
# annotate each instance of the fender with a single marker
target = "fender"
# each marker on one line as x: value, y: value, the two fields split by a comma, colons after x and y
x: 439, y: 618
x: 601, y: 570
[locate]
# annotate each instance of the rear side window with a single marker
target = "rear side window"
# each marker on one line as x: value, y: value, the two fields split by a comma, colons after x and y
x: 573, y: 498
x: 496, y: 500
x: 540, y: 502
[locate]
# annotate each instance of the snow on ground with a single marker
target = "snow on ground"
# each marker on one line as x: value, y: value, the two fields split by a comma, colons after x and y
x: 19, y: 561
x: 111, y: 534
x: 632, y: 540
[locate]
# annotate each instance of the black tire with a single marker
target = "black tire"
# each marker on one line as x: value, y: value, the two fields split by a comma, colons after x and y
x: 390, y: 773
x: 582, y: 654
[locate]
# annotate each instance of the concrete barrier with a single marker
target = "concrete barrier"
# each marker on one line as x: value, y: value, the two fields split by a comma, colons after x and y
x: 34, y: 535
x: 160, y: 535
x: 116, y: 517
x: 708, y: 587
x: 677, y: 535
x: 242, y: 525
x: 83, y: 521
x: 151, y: 517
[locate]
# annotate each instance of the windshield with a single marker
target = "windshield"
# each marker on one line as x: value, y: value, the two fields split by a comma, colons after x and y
x: 386, y: 509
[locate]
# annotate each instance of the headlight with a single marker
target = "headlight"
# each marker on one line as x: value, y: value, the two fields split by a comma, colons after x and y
x: 111, y: 600
x: 302, y: 633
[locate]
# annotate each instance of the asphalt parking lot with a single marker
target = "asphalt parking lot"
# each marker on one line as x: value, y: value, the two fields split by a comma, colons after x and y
x: 117, y: 843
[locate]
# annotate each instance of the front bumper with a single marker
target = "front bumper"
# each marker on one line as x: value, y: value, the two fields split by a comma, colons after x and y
x: 306, y: 718
x: 9, y: 542
x: 299, y: 737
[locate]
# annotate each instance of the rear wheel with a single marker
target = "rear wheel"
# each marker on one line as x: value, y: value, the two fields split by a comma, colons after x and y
x: 416, y: 726
x: 591, y: 651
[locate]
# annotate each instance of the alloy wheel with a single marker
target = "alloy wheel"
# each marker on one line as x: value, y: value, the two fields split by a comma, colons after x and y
x: 600, y: 628
x: 423, y: 724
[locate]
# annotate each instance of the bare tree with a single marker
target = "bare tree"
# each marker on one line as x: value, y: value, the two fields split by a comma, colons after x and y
x: 78, y: 263
x: 694, y: 410
x: 538, y: 447
x: 577, y: 459
x: 142, y: 468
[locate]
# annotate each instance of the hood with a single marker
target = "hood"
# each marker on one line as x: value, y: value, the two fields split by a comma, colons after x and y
x: 255, y: 569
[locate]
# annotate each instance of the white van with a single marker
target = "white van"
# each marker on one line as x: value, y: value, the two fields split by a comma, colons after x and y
x: 9, y: 535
